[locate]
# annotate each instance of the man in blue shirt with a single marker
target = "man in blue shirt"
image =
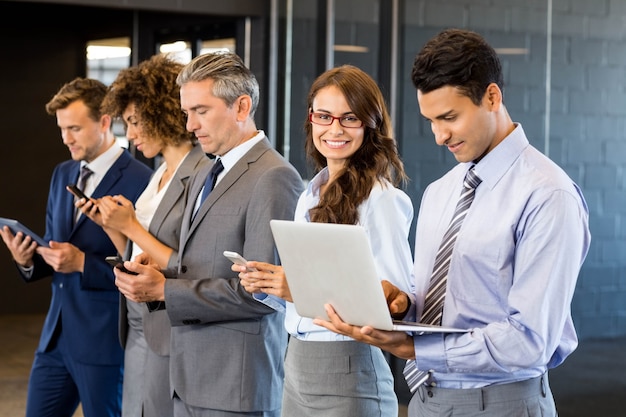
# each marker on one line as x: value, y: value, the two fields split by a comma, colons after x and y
x: 514, y: 265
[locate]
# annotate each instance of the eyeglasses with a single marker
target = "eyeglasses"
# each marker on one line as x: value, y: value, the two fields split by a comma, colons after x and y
x: 324, y: 119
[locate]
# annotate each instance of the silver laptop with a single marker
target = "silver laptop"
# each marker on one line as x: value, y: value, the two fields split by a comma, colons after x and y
x: 333, y: 264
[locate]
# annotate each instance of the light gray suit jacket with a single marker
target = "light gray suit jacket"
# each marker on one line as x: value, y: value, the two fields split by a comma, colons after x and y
x: 165, y: 226
x: 227, y: 348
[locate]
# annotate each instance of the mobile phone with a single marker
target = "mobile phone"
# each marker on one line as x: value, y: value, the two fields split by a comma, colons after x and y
x: 237, y: 259
x: 118, y: 262
x: 72, y: 188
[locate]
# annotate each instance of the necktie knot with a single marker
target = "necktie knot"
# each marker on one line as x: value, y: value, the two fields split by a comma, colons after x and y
x: 85, y: 173
x: 209, y: 183
x: 217, y: 168
x: 471, y: 179
x: 211, y: 179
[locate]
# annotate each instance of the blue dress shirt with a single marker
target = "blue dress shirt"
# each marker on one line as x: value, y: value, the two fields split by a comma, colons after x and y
x: 513, y: 271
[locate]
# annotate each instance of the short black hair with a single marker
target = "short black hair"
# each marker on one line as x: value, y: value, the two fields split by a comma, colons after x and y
x: 458, y: 58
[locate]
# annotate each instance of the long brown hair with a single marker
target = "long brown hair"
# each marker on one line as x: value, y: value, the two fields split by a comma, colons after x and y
x: 376, y: 159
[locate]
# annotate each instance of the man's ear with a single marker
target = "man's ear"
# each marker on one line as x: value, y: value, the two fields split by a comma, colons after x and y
x: 244, y: 105
x: 105, y: 122
x: 493, y: 97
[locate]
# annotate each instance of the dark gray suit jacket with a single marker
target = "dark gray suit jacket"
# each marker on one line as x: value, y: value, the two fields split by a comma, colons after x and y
x: 227, y: 348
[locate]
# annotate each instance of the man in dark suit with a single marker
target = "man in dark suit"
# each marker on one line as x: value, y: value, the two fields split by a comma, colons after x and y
x: 79, y: 359
x: 227, y: 347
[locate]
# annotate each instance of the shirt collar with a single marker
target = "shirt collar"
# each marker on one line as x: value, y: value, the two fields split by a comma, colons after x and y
x: 231, y: 157
x: 497, y: 162
x: 102, y: 163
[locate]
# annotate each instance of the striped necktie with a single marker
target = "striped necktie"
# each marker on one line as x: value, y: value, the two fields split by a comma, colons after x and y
x: 433, y: 303
x: 84, y: 174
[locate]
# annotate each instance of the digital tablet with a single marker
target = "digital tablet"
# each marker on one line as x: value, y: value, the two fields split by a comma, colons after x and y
x: 333, y: 264
x: 16, y: 226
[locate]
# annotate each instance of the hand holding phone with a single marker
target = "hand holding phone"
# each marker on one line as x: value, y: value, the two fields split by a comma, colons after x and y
x: 72, y: 188
x: 237, y: 259
x: 118, y: 262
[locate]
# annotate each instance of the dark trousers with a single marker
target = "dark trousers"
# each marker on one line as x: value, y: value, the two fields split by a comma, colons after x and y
x: 58, y: 383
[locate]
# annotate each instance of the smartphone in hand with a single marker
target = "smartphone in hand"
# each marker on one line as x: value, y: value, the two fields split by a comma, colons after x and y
x: 72, y: 188
x: 118, y: 262
x: 237, y: 259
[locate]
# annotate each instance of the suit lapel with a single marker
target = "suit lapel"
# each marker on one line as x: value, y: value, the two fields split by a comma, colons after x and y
x: 187, y: 227
x: 68, y: 202
x: 111, y: 177
x: 176, y: 188
x: 174, y: 191
x: 231, y: 177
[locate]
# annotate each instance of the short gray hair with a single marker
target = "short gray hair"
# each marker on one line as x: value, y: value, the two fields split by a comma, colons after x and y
x: 231, y: 78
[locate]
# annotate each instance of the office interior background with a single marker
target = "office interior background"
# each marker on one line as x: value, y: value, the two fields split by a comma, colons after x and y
x: 565, y: 82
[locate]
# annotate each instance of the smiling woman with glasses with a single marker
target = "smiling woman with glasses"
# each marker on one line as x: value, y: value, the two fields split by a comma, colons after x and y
x: 349, y: 140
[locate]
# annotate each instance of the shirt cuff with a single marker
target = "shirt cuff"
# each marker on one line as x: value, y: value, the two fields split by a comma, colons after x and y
x: 271, y: 301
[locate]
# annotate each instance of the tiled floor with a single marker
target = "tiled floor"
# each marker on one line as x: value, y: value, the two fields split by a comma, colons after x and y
x: 591, y: 383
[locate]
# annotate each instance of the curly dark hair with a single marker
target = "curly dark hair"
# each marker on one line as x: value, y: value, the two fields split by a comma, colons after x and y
x: 376, y: 159
x: 458, y: 58
x: 151, y: 87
